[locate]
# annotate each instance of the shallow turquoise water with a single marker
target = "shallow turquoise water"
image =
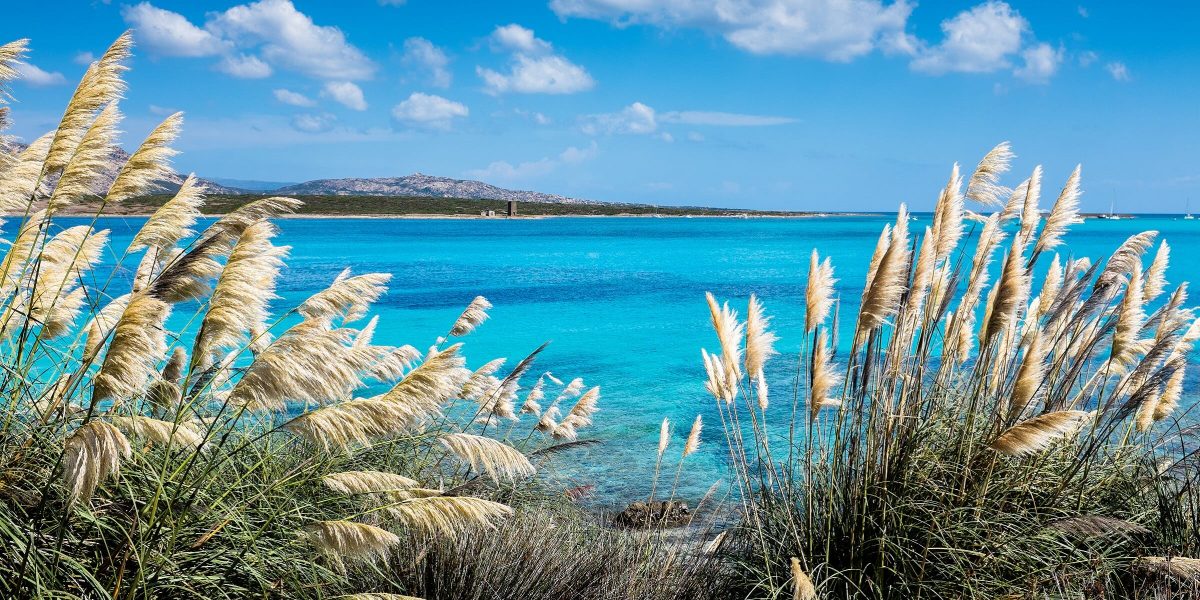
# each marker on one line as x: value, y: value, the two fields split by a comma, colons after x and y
x: 622, y: 301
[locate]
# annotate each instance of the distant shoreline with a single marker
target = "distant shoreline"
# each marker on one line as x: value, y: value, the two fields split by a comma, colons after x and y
x: 459, y: 216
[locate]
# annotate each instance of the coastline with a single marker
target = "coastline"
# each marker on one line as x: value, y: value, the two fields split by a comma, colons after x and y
x: 459, y: 216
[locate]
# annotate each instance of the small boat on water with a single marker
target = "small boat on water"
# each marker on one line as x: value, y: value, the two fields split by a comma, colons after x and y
x: 1187, y: 211
x: 1111, y: 216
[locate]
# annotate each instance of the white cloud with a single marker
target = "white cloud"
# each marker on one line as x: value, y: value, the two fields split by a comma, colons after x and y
x: 427, y: 110
x: 1083, y: 11
x: 837, y: 30
x: 37, y: 77
x: 1088, y: 57
x: 503, y: 170
x: 979, y: 40
x: 244, y: 66
x: 695, y: 136
x: 723, y: 119
x: 169, y: 33
x: 289, y: 39
x: 1118, y: 70
x: 1041, y: 63
x: 278, y: 35
x: 534, y: 67
x: 637, y: 118
x: 345, y: 93
x: 420, y: 53
x: 287, y: 96
x: 314, y: 123
x: 162, y: 111
x: 515, y: 38
x: 84, y: 58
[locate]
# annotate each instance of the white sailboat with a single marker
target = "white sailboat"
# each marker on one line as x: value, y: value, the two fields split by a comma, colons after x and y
x: 1111, y: 216
x: 1187, y: 215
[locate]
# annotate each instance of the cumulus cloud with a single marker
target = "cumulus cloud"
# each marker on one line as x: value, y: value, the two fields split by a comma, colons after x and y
x: 503, y: 170
x: 421, y: 54
x: 253, y: 38
x: 37, y: 77
x: 314, y: 123
x: 287, y: 96
x: 837, y: 30
x: 1118, y: 70
x: 169, y: 33
x: 244, y: 66
x: 1041, y: 63
x: 345, y: 93
x: 636, y: 118
x: 1087, y: 57
x: 427, y: 110
x: 534, y: 67
x: 84, y: 58
x: 979, y: 40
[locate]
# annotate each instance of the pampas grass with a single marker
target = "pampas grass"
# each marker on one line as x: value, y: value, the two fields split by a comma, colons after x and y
x: 93, y: 453
x: 1038, y: 433
x: 497, y: 459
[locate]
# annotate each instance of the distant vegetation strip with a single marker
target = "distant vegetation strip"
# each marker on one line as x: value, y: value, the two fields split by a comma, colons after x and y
x: 418, y: 205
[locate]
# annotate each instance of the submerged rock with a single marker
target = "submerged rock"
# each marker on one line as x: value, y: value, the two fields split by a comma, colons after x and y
x: 671, y: 513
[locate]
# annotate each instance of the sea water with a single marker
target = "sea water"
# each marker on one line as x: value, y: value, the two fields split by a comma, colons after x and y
x: 621, y: 301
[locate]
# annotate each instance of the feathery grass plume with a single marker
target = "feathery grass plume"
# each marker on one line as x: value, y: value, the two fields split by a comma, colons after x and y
x: 19, y: 183
x: 472, y: 316
x: 93, y: 453
x: 14, y: 267
x: 760, y: 342
x: 89, y: 163
x: 341, y: 425
x: 186, y: 276
x: 802, y: 586
x: 173, y: 370
x: 173, y: 220
x: 948, y: 216
x: 1180, y: 567
x: 1165, y: 403
x: 229, y: 227
x: 1030, y: 215
x: 10, y: 54
x: 824, y: 378
x: 572, y: 390
x: 378, y: 596
x: 881, y: 299
x: 881, y: 247
x: 347, y: 298
x: 818, y: 292
x: 484, y: 454
x: 367, y: 482
x: 1015, y: 206
x: 1098, y: 526
x: 247, y: 285
x: 448, y: 516
x: 730, y: 332
x: 982, y: 187
x: 138, y: 344
x: 1052, y: 284
x: 306, y: 364
x: 342, y: 540
x: 664, y: 438
x: 1037, y: 434
x: 1122, y: 262
x: 56, y: 295
x: 1064, y: 214
x: 437, y: 380
x: 149, y: 164
x: 693, y: 439
x: 536, y: 394
x: 102, y: 322
x: 101, y: 85
x: 155, y: 431
x: 1009, y: 295
x: 922, y: 277
x: 719, y: 384
x: 1131, y: 316
x: 482, y: 380
x: 546, y: 422
x: 1030, y: 375
x: 579, y: 416
x: 1156, y: 275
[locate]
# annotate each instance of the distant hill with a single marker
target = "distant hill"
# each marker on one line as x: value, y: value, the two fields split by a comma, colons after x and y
x: 419, y: 184
x: 408, y: 186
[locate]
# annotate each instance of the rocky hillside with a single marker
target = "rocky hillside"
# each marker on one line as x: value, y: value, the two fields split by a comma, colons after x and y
x: 418, y: 184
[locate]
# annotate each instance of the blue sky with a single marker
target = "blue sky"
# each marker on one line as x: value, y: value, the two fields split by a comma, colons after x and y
x: 787, y: 104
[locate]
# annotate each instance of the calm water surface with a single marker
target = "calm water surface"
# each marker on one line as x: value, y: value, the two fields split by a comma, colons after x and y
x: 622, y: 301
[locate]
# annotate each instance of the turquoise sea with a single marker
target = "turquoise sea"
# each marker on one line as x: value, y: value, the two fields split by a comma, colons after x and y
x: 622, y: 302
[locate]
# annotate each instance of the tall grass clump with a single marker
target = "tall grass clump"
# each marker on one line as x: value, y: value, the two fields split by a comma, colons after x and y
x: 167, y: 432
x: 1004, y: 421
